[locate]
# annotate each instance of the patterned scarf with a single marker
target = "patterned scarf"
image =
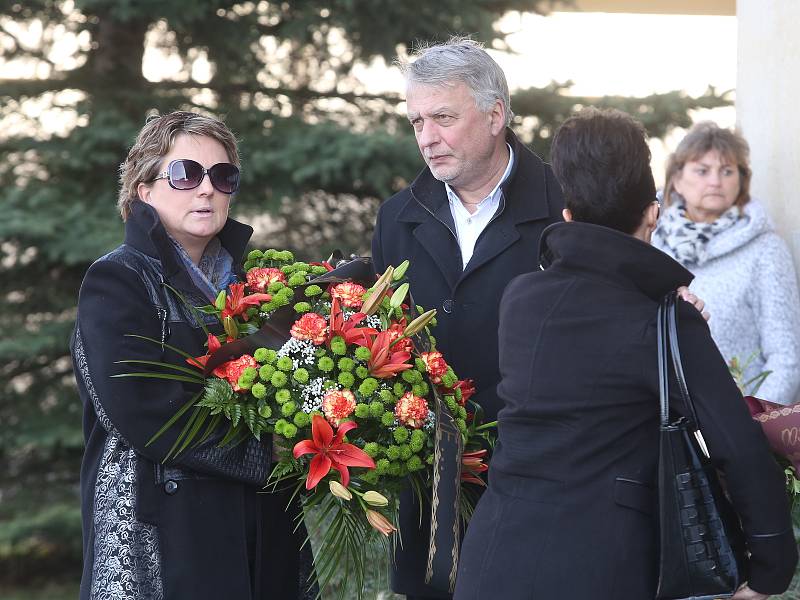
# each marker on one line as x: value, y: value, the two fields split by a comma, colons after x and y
x: 215, y: 271
x: 688, y: 240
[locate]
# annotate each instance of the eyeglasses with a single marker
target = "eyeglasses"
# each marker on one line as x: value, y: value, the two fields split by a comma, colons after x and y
x: 186, y: 174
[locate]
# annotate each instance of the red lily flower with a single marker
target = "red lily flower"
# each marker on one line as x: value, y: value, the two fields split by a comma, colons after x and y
x: 386, y: 362
x: 347, y: 329
x: 200, y: 361
x: 472, y: 464
x: 328, y: 266
x: 330, y: 452
x: 236, y: 303
x: 467, y: 387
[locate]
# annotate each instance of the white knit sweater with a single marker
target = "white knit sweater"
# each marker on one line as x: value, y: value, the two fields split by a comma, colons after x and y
x: 749, y: 284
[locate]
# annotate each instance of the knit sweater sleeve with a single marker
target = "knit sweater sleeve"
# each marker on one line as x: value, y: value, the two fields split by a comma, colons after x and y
x: 777, y: 313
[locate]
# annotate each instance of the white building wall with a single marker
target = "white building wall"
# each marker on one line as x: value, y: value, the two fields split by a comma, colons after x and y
x: 768, y: 106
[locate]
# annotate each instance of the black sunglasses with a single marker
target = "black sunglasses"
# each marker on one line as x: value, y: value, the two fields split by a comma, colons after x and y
x: 186, y: 174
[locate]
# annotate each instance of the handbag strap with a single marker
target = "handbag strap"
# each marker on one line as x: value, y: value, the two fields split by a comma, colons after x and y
x: 663, y: 384
x: 672, y: 322
x: 667, y: 338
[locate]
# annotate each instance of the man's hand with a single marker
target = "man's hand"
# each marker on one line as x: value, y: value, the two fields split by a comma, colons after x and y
x: 698, y: 303
x: 745, y: 593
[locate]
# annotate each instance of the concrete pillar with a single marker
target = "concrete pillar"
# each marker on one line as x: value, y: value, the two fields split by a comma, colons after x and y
x: 768, y: 107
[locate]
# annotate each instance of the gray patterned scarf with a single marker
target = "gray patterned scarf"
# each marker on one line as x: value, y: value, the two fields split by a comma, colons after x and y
x: 215, y: 270
x: 687, y: 240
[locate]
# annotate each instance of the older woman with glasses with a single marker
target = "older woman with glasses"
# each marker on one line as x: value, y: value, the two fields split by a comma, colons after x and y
x: 742, y: 267
x: 195, y: 527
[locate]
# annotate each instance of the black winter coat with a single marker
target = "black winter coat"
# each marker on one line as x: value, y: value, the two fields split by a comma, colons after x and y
x: 570, y: 508
x: 196, y: 527
x: 416, y: 224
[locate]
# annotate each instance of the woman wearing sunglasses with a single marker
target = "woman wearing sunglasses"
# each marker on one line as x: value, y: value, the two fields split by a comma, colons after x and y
x: 197, y: 526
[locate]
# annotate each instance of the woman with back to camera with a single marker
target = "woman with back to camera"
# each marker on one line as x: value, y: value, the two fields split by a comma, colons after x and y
x: 196, y: 527
x: 570, y: 510
x: 743, y: 269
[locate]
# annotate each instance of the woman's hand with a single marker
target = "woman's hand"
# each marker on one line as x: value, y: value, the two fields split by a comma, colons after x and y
x: 745, y: 593
x: 698, y: 303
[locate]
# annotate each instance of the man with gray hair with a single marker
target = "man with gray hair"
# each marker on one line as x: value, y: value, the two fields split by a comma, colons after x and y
x: 469, y: 223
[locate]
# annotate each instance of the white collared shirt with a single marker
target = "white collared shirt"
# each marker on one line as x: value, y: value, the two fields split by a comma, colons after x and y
x: 470, y: 225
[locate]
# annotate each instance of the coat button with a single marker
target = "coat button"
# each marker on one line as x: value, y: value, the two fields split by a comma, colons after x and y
x: 171, y: 487
x: 447, y: 306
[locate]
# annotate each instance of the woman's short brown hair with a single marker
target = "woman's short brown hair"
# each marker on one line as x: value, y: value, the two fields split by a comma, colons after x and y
x: 602, y: 161
x: 155, y: 141
x: 701, y: 139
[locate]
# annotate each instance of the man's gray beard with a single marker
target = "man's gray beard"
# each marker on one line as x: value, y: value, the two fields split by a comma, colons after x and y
x: 448, y: 180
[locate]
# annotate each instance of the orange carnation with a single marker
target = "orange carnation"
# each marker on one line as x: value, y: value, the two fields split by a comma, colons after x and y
x: 234, y: 368
x: 350, y: 294
x: 310, y: 326
x: 435, y: 365
x: 411, y: 410
x: 260, y: 279
x: 338, y: 404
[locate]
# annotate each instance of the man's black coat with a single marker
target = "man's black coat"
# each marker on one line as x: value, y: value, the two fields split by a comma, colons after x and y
x: 416, y: 224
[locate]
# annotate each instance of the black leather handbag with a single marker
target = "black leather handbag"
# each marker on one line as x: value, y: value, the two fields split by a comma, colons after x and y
x: 702, y: 550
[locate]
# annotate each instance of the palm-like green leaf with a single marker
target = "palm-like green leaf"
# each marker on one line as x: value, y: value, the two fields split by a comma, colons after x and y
x: 160, y: 343
x: 163, y: 365
x: 170, y: 376
x: 181, y: 411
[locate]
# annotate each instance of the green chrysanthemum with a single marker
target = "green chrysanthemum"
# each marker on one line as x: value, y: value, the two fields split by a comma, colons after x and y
x: 301, y: 419
x: 368, y: 386
x: 338, y: 346
x: 325, y: 364
x: 405, y: 451
x: 373, y: 449
x: 302, y: 307
x: 346, y: 364
x: 279, y: 379
x: 401, y: 435
x: 296, y: 279
x: 284, y: 363
x: 420, y: 389
x: 414, y: 464
x: 346, y: 379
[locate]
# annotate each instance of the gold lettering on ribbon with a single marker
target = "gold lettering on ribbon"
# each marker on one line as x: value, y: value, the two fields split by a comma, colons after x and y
x: 790, y: 436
